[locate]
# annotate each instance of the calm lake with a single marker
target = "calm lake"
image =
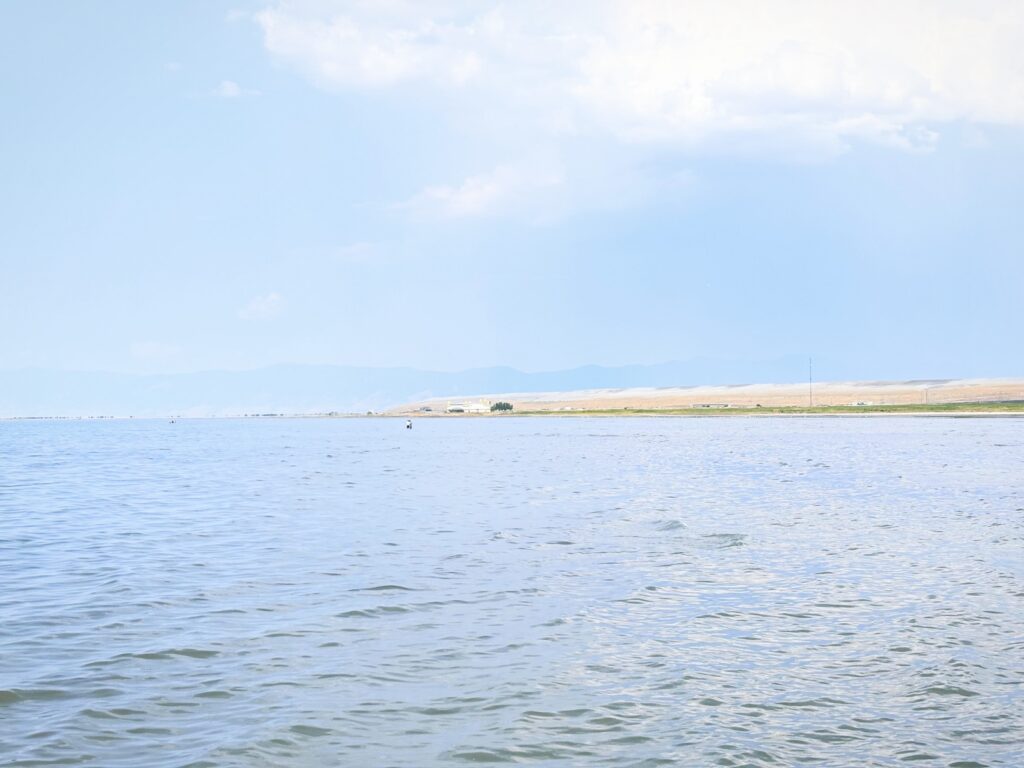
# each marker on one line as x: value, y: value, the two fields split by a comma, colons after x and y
x: 571, y: 592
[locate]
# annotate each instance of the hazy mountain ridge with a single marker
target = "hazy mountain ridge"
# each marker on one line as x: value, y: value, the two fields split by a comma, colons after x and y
x: 325, y: 388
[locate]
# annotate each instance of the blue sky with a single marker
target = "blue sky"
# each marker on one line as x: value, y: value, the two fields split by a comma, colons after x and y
x: 208, y: 185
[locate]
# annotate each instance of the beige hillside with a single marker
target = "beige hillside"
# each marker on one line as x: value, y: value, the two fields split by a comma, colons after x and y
x: 802, y: 395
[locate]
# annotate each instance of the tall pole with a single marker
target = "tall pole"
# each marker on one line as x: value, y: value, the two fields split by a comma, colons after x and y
x: 810, y: 382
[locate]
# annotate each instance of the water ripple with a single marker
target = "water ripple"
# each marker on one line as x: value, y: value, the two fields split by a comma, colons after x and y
x: 638, y: 592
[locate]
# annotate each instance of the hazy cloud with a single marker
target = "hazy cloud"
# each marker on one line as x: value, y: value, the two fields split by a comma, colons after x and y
x: 262, y: 307
x: 487, y: 193
x: 358, y: 253
x: 229, y: 89
x: 154, y: 351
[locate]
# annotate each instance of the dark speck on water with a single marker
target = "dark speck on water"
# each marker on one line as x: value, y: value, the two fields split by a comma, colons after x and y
x: 696, y: 592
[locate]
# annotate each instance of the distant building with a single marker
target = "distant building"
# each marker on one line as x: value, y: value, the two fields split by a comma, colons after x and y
x: 468, y: 406
x: 710, y: 405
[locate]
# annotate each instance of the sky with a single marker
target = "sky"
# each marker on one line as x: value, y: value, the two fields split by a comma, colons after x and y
x: 198, y: 185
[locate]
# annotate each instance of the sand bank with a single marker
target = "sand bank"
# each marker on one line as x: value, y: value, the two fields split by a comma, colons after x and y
x: 743, y: 396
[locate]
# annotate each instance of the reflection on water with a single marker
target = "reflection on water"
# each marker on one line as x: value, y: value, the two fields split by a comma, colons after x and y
x: 635, y: 592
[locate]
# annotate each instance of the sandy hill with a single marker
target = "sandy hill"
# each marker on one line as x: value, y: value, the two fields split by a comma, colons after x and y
x: 745, y: 396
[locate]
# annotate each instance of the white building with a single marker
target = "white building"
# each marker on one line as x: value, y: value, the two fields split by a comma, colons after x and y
x: 468, y: 406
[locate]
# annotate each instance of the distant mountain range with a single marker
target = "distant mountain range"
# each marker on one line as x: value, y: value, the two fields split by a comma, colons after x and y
x: 326, y: 388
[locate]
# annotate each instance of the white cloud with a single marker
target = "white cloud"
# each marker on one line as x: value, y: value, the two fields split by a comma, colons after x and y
x: 383, y: 44
x: 494, y: 192
x: 229, y: 89
x: 819, y: 71
x: 262, y: 307
x: 811, y: 73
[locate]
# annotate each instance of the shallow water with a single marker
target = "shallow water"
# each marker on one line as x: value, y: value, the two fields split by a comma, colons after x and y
x: 606, y: 592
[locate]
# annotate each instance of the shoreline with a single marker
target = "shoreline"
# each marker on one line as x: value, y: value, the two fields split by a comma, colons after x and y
x: 938, y: 396
x: 626, y: 413
x: 969, y: 410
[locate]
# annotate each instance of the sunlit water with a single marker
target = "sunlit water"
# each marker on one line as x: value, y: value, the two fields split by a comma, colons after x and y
x: 596, y: 592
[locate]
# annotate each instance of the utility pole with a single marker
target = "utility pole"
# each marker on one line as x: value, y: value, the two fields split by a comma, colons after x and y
x: 810, y: 382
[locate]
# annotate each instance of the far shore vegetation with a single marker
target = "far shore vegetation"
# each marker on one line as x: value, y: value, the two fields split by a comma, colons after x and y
x: 995, y: 408
x: 1007, y: 407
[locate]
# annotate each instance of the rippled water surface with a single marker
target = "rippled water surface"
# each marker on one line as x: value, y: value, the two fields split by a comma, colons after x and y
x: 594, y: 592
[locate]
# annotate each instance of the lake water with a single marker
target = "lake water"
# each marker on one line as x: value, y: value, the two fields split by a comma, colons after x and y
x: 572, y: 592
